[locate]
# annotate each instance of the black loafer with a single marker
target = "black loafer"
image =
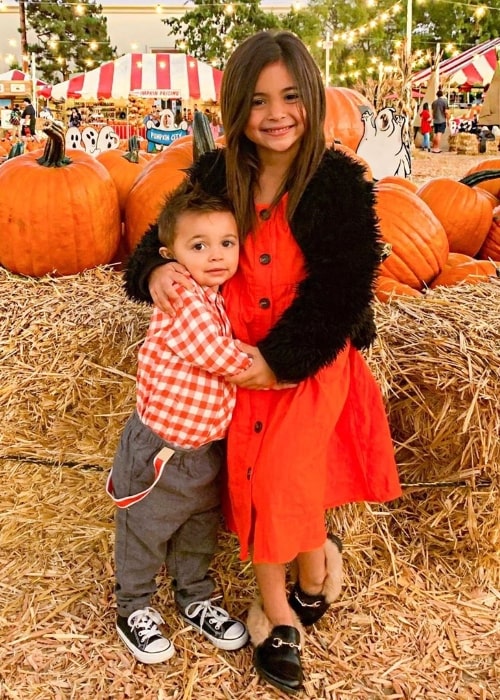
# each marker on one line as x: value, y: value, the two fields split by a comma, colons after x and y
x: 310, y: 608
x: 277, y: 659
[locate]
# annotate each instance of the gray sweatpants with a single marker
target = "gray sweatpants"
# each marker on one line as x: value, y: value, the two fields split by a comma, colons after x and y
x: 176, y: 523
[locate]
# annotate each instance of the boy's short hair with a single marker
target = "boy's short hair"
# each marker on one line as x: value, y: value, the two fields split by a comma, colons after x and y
x: 187, y: 198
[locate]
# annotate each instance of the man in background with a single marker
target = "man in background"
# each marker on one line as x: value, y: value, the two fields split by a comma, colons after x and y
x: 440, y: 116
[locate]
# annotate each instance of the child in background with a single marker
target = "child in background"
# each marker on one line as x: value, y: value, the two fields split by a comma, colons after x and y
x: 309, y: 430
x: 426, y: 126
x: 165, y: 475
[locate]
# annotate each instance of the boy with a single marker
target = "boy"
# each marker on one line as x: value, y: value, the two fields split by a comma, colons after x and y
x: 184, y: 406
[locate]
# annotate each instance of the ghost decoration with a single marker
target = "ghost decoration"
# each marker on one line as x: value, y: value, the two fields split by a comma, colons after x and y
x: 73, y: 139
x: 107, y: 139
x: 89, y: 140
x: 383, y: 145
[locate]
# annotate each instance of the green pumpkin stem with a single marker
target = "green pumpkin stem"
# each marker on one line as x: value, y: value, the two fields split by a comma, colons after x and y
x: 480, y: 176
x: 54, y: 154
x: 203, y: 139
x: 132, y: 155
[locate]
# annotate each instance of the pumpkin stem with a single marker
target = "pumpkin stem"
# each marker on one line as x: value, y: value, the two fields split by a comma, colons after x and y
x: 132, y: 155
x: 481, y: 176
x: 203, y: 139
x: 54, y: 155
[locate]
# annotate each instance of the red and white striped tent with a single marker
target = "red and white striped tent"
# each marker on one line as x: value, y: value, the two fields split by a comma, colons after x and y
x: 472, y: 67
x: 155, y: 75
x: 15, y: 74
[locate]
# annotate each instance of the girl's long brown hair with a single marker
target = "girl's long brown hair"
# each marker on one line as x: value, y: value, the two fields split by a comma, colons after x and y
x: 238, y: 87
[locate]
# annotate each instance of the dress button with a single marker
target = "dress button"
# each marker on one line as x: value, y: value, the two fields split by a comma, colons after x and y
x: 258, y: 426
x: 264, y: 303
x: 249, y: 472
x: 265, y: 259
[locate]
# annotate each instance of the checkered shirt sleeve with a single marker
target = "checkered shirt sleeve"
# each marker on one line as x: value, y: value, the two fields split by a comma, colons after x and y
x: 181, y: 391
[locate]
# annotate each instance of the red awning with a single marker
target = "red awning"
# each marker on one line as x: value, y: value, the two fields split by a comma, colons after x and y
x: 19, y: 75
x: 158, y: 75
x: 474, y: 66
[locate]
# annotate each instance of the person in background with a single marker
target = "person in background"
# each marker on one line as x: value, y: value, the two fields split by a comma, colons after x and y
x: 426, y: 126
x: 184, y: 405
x: 309, y: 429
x: 440, y: 116
x: 28, y: 118
x: 75, y: 118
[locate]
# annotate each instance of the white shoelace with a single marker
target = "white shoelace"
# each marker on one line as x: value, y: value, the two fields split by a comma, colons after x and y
x: 146, y: 622
x: 216, y: 616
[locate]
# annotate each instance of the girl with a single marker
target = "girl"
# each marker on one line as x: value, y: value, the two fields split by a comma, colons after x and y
x: 426, y: 126
x: 300, y: 303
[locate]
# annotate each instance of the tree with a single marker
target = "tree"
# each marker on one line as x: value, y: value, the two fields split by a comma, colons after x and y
x: 210, y: 31
x: 69, y: 40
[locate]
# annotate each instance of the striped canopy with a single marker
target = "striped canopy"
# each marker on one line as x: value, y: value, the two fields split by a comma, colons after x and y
x: 19, y: 75
x: 155, y: 75
x: 472, y: 67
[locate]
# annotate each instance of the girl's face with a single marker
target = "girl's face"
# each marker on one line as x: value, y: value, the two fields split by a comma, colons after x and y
x: 276, y: 122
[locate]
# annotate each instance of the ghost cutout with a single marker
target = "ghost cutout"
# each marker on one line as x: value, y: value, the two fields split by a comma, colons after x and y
x: 73, y: 139
x: 383, y: 144
x: 107, y: 139
x: 89, y: 140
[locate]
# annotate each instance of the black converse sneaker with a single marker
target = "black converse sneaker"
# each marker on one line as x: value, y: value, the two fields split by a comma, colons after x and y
x: 139, y: 632
x: 223, y: 631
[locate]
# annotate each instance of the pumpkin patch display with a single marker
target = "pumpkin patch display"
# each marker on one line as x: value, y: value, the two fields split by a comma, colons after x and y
x: 58, y: 215
x: 417, y: 238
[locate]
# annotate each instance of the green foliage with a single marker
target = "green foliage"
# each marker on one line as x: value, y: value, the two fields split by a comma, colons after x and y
x: 210, y: 33
x: 66, y: 41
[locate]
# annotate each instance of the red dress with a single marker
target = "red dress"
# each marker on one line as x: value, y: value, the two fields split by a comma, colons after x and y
x: 292, y: 453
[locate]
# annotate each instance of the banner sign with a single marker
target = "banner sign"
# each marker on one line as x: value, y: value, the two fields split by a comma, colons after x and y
x: 156, y: 92
x: 163, y: 137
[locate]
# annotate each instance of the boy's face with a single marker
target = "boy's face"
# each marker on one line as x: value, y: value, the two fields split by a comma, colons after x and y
x: 207, y: 245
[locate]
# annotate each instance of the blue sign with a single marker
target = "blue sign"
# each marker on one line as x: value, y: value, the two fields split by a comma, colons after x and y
x: 163, y: 137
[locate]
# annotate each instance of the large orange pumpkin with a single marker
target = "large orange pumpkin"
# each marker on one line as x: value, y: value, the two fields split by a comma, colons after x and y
x: 124, y: 167
x: 491, y: 244
x: 147, y: 195
x: 465, y: 212
x: 343, y: 115
x: 57, y: 215
x: 419, y: 246
x: 460, y: 269
x: 387, y: 288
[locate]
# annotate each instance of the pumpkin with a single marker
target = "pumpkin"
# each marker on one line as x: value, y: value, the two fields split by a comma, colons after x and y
x: 470, y: 271
x: 160, y: 177
x: 123, y: 167
x: 491, y: 244
x: 387, y: 287
x: 343, y: 122
x: 57, y: 215
x: 419, y: 246
x: 465, y: 212
x: 401, y: 181
x: 491, y: 185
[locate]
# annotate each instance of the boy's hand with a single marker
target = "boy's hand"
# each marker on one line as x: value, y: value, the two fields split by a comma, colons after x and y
x: 259, y: 375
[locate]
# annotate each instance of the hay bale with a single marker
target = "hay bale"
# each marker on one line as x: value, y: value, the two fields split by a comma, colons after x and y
x: 67, y: 379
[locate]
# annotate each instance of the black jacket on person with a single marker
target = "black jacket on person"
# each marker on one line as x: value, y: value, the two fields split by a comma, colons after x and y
x: 336, y: 227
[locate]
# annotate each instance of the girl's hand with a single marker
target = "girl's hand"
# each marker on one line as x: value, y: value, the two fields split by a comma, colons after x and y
x: 162, y: 285
x: 259, y: 375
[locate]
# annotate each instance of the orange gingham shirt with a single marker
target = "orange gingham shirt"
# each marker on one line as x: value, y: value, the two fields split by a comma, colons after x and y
x: 181, y: 391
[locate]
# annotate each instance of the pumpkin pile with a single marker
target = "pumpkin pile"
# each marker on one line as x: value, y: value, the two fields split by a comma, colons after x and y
x: 442, y: 233
x: 61, y: 215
